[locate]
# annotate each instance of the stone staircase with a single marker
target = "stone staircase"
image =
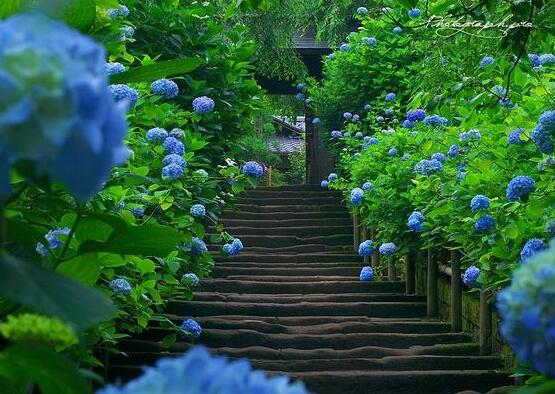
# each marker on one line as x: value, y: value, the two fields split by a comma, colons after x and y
x: 292, y: 303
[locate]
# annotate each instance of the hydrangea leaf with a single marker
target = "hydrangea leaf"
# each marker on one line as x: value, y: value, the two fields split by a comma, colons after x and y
x: 52, y: 294
x: 84, y: 268
x: 152, y: 72
x: 51, y: 371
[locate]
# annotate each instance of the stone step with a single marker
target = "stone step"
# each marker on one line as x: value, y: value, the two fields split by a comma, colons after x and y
x: 283, y: 256
x: 291, y: 209
x: 295, y: 188
x: 279, y: 215
x: 296, y: 298
x: 220, y: 271
x: 308, y: 250
x: 280, y: 200
x: 263, y: 223
x: 296, y: 231
x: 273, y: 241
x: 370, y: 309
x: 312, y: 265
x: 355, y: 286
x: 268, y: 193
x: 294, y: 278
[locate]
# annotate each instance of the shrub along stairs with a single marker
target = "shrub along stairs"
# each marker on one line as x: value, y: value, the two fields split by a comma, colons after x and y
x: 292, y: 303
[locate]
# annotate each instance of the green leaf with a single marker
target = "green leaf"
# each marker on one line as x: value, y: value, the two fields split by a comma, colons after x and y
x: 152, y: 72
x: 512, y: 231
x: 9, y: 7
x: 84, y: 268
x: 52, y: 294
x: 168, y: 341
x: 51, y: 371
x: 147, y: 240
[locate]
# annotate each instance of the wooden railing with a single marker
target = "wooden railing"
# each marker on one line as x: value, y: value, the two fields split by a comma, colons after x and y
x: 434, y: 268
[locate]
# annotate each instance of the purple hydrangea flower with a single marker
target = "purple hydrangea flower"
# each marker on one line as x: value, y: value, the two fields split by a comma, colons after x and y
x: 453, y: 151
x: 407, y: 124
x: 514, y: 137
x: 414, y: 13
x: 534, y: 59
x: 439, y: 157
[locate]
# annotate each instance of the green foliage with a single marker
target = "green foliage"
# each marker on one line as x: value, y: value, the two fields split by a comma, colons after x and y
x: 29, y: 328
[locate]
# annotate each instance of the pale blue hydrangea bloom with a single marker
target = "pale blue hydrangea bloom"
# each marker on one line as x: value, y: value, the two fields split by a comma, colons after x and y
x: 198, y: 211
x: 471, y: 275
x: 165, y: 88
x: 120, y: 286
x: 190, y: 279
x: 203, y: 105
x: 365, y: 248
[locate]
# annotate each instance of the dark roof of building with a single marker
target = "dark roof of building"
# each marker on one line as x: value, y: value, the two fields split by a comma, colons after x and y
x: 286, y: 144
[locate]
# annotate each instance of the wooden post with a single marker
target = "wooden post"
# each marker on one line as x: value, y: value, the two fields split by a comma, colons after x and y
x: 269, y: 180
x: 375, y: 255
x: 391, y: 272
x: 356, y: 232
x: 456, y: 292
x: 432, y: 304
x: 410, y: 273
x: 364, y: 237
x: 485, y: 324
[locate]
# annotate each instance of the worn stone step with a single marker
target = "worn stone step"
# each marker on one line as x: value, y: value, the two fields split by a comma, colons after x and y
x: 319, y: 324
x: 294, y: 278
x: 291, y: 209
x: 279, y: 215
x: 370, y: 309
x: 299, y: 187
x: 273, y: 241
x: 258, y: 193
x: 296, y: 231
x: 401, y: 382
x: 280, y: 200
x: 281, y: 256
x: 312, y: 265
x: 307, y: 249
x: 221, y: 271
x: 263, y: 223
x: 295, y: 298
x: 355, y: 286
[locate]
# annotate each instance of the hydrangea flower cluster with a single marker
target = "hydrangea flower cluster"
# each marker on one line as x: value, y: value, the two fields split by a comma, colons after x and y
x: 120, y: 286
x: 484, y: 224
x: 359, y: 135
x: 356, y: 118
x: 534, y: 59
x: 470, y: 276
x: 380, y: 119
x: 405, y: 156
x: 527, y: 308
x: 233, y: 248
x: 367, y: 186
x: 198, y: 211
x: 120, y: 12
x: 387, y: 248
x: 252, y: 168
x: 366, y: 274
x: 356, y: 155
x: 203, y: 105
x: 53, y: 239
x: 124, y: 94
x: 347, y: 115
x: 390, y: 96
x: 416, y: 221
x: 547, y: 58
x: 332, y: 177
x: 544, y: 131
x: 454, y: 151
x: 165, y: 88
x: 362, y: 10
x: 428, y: 167
x: 486, y: 61
x: 127, y: 32
x: 365, y: 248
x: 471, y: 135
x: 435, y: 120
x: 197, y: 246
x: 199, y: 372
x: 316, y: 121
x: 300, y: 87
x: 439, y: 157
x: 70, y: 117
x: 299, y: 96
x: 190, y: 279
x: 138, y: 212
x: 388, y: 113
x: 190, y: 329
x: 114, y: 68
x: 372, y: 41
x: 531, y: 248
x: 414, y: 13
x: 344, y: 47
x: 407, y: 124
x: 414, y: 115
x: 520, y: 187
x: 368, y: 140
x: 392, y: 152
x: 335, y: 134
x: 357, y: 195
x: 157, y: 135
x: 478, y: 202
x: 367, y: 107
x: 324, y: 184
x: 397, y: 30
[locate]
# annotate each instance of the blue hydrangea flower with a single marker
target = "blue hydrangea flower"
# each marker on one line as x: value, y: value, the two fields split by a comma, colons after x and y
x: 324, y: 184
x: 428, y: 167
x: 367, y: 107
x: 547, y: 58
x: 42, y: 250
x: 531, y: 247
x: 346, y: 134
x: 380, y: 119
x: 520, y: 187
x: 335, y: 134
x: 372, y: 41
x: 157, y: 134
x: 471, y: 135
x: 174, y: 159
x: 332, y: 177
x: 316, y: 121
x: 198, y: 211
x: 365, y: 248
x: 405, y: 156
x: 366, y: 274
x: 53, y: 239
x: 414, y: 115
x: 438, y: 156
x: 414, y: 13
x: 534, y: 59
x: 514, y: 137
x: 114, y: 68
x: 190, y: 279
x: 138, y: 212
x: 471, y: 275
x: 197, y: 246
x: 547, y: 120
x: 173, y: 145
x: 177, y: 133
x: 387, y: 248
x: 233, y: 248
x: 59, y: 110
x: 120, y: 286
x: 356, y: 118
x: 356, y: 155
x: 357, y: 195
x: 435, y: 120
x: 114, y: 13
x: 390, y: 96
x: 478, y: 202
x: 124, y: 93
x: 172, y: 171
x: 127, y: 32
x: 486, y: 61
x: 252, y: 168
x: 344, y: 47
x: 347, y: 115
x: 542, y: 139
x: 416, y: 221
x: 362, y: 10
x: 203, y: 105
x: 299, y: 96
x: 359, y: 135
x: 372, y: 141
x: 199, y: 372
x: 300, y: 87
x: 550, y: 228
x: 367, y: 186
x: 392, y: 152
x: 190, y: 329
x: 527, y: 310
x: 331, y: 56
x: 397, y: 30
x: 165, y: 88
x: 500, y: 90
x: 388, y: 113
x: 453, y: 151
x: 484, y: 224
